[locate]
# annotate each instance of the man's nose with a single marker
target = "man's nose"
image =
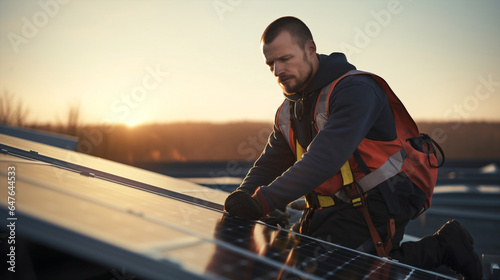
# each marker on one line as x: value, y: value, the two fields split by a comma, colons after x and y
x: 277, y: 69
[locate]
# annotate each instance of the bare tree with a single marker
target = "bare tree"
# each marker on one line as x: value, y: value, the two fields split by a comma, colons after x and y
x: 6, y: 105
x: 10, y: 112
x: 21, y: 114
x: 73, y: 120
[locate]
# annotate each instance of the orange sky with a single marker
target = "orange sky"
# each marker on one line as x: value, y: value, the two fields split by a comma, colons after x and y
x: 163, y: 61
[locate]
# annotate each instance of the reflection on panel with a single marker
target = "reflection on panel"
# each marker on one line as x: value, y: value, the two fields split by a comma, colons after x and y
x: 159, y: 237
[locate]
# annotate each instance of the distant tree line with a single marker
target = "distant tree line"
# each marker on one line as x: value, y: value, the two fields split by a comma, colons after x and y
x: 465, y: 140
x: 244, y: 141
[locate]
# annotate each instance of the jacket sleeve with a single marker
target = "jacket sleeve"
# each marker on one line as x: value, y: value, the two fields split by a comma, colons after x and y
x: 274, y: 160
x: 354, y: 108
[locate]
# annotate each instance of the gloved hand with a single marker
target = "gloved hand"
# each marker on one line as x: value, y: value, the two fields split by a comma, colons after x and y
x: 277, y: 218
x: 243, y: 205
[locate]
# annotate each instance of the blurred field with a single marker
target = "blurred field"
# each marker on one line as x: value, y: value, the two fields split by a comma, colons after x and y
x: 243, y: 141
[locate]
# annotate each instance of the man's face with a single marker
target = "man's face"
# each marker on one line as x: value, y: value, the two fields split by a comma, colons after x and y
x: 290, y: 64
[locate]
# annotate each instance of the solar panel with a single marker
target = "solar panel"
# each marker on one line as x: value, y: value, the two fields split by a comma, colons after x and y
x: 159, y: 227
x: 110, y: 170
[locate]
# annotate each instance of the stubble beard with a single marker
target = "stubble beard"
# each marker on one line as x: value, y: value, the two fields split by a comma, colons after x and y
x: 300, y: 84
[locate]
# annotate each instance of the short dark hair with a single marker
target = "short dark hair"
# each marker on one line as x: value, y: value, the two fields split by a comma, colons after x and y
x: 292, y: 25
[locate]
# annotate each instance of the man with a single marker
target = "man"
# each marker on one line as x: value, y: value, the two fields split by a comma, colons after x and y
x: 335, y: 127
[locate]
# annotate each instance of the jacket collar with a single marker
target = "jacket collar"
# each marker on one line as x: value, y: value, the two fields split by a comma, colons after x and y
x: 330, y: 68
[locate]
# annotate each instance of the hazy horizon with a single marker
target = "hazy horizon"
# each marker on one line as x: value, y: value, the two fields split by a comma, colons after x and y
x: 221, y: 122
x: 245, y: 140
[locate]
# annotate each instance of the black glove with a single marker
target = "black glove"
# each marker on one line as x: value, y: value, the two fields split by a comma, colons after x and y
x: 243, y: 205
x: 277, y: 218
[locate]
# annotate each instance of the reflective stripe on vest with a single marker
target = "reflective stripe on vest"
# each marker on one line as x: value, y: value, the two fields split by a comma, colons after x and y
x: 284, y: 123
x: 321, y: 112
x: 390, y: 168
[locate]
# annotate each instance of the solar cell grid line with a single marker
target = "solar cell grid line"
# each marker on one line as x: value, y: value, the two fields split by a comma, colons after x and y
x: 336, y: 265
x: 247, y: 245
x: 349, y: 266
x: 226, y: 263
x: 107, y: 176
x: 338, y: 256
x: 311, y: 248
x: 334, y: 258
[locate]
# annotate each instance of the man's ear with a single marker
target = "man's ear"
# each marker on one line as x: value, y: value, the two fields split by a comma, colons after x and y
x: 310, y: 48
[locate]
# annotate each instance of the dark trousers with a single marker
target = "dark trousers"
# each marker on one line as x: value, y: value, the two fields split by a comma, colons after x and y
x: 344, y: 225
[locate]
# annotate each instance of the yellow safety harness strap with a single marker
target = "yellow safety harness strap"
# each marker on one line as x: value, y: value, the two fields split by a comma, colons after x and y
x: 317, y: 200
x: 299, y: 151
x: 346, y: 172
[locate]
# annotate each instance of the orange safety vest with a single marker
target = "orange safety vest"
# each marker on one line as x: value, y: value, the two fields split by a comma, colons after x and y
x: 384, y: 159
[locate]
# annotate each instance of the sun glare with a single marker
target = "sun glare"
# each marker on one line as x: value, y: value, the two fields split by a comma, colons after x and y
x: 132, y: 123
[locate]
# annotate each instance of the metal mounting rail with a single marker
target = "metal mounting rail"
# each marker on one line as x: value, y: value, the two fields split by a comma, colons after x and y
x: 86, y: 171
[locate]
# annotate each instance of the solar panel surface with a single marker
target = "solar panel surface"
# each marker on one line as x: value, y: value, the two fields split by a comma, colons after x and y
x: 161, y: 235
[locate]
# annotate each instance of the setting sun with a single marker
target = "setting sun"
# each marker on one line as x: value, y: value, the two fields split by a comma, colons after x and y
x: 132, y: 123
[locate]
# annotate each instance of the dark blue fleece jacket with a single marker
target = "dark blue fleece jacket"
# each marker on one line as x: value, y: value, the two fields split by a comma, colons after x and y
x: 358, y: 109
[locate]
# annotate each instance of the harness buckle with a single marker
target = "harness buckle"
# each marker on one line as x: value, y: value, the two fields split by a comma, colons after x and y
x: 357, y: 202
x: 355, y: 194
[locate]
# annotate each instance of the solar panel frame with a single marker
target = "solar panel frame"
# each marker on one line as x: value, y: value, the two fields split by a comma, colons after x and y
x: 91, y: 172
